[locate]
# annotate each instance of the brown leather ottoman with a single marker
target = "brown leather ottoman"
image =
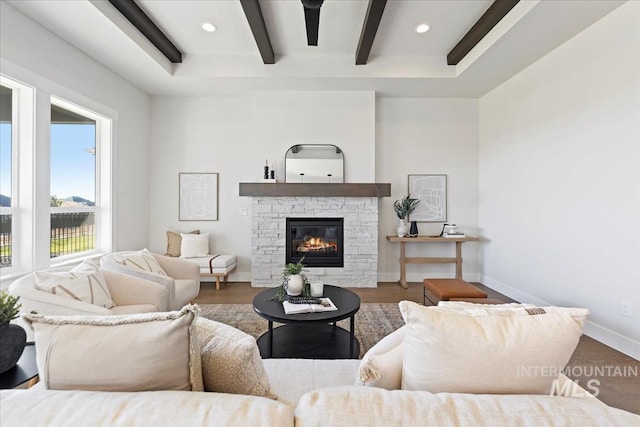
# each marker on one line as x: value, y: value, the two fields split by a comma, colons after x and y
x: 436, y: 290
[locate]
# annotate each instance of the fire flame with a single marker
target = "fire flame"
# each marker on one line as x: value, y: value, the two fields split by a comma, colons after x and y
x: 317, y: 244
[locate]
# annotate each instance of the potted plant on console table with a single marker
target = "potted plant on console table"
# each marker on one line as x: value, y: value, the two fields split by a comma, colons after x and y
x: 403, y: 208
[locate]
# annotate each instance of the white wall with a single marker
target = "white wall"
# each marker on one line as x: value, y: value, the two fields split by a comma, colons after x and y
x: 383, y: 141
x: 428, y: 136
x: 233, y: 137
x: 345, y: 119
x: 62, y: 70
x: 560, y: 180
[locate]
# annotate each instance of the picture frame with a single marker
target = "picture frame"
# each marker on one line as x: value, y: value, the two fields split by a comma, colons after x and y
x: 431, y: 190
x: 198, y: 198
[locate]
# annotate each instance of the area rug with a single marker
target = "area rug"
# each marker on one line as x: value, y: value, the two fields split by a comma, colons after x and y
x: 373, y: 322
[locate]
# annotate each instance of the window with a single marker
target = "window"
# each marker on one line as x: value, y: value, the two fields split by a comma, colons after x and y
x: 55, y: 178
x: 73, y: 182
x: 6, y: 174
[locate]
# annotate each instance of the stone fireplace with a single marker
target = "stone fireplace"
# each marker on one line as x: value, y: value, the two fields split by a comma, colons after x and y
x: 360, y: 238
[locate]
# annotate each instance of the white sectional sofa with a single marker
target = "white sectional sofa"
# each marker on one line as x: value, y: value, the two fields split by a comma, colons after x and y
x: 240, y: 389
x: 310, y: 393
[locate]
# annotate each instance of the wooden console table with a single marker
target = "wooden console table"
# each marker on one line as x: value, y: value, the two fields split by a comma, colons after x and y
x: 429, y: 239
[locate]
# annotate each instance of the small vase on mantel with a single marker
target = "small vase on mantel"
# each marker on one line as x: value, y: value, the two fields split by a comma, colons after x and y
x: 402, y: 228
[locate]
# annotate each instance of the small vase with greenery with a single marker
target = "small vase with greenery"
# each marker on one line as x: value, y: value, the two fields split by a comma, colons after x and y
x: 12, y: 337
x: 403, y: 209
x: 294, y: 281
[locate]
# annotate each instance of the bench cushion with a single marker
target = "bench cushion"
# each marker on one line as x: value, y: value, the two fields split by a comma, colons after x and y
x: 219, y: 261
x: 445, y: 289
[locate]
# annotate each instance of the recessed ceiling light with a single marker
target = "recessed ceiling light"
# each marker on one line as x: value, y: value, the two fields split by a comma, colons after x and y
x: 209, y: 27
x: 422, y: 28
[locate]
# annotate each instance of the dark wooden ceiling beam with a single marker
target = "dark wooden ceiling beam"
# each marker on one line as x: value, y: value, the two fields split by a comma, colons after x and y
x: 487, y: 21
x: 130, y: 10
x: 256, y: 21
x: 369, y: 30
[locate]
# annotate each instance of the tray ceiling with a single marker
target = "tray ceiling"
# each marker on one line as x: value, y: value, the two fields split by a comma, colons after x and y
x: 401, y: 62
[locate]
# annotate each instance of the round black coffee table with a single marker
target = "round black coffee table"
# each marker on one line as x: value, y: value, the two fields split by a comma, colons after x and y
x: 309, y: 335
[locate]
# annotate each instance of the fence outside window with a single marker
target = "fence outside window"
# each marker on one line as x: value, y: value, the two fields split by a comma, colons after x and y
x: 72, y: 231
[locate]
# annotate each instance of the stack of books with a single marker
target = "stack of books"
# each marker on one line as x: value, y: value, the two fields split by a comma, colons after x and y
x: 453, y: 235
x: 451, y: 231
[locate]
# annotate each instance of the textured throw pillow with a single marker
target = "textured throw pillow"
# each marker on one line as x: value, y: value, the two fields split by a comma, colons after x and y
x: 83, y: 283
x: 140, y: 352
x: 448, y: 351
x: 510, y: 310
x: 231, y: 361
x: 174, y: 241
x: 194, y: 245
x: 139, y: 261
x: 381, y: 366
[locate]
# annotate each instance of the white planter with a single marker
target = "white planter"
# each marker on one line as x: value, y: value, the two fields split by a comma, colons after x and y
x: 295, y: 285
x: 402, y: 228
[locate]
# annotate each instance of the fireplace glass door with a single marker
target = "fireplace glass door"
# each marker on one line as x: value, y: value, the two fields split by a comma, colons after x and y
x: 318, y: 240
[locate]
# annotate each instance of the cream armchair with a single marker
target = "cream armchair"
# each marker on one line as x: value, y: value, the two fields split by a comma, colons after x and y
x: 130, y: 295
x: 181, y: 278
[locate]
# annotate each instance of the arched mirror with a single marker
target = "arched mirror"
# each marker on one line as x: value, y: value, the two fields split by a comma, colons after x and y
x: 317, y: 163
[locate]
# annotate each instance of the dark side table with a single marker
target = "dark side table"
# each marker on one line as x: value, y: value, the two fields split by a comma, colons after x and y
x: 25, y: 370
x: 309, y: 335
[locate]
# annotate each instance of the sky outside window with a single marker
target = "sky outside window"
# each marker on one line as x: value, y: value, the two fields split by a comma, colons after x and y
x: 73, y: 162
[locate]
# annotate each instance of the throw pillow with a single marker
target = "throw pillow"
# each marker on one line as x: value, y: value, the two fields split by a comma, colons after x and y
x: 381, y: 366
x: 140, y: 352
x: 514, y: 309
x: 139, y: 261
x: 174, y: 241
x: 141, y: 264
x: 194, y: 245
x: 83, y: 283
x: 448, y: 351
x: 231, y: 361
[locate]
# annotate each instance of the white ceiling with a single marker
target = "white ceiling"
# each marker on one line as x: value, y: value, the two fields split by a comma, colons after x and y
x: 401, y: 63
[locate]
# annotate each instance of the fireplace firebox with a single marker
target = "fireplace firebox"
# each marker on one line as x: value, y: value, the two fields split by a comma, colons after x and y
x: 318, y: 240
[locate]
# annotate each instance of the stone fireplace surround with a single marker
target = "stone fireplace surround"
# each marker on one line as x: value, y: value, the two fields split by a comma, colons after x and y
x: 360, y: 238
x: 356, y: 203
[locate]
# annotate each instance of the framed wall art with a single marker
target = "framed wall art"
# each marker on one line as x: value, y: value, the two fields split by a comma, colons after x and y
x: 198, y: 196
x: 431, y: 190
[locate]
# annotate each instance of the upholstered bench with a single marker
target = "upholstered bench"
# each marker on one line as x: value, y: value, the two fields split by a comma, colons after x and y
x: 435, y: 290
x: 216, y: 266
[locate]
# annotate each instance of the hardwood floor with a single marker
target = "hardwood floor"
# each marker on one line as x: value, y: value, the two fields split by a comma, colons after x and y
x: 613, y: 375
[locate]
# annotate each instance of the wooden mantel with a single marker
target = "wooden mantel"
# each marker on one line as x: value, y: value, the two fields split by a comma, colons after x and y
x: 261, y: 189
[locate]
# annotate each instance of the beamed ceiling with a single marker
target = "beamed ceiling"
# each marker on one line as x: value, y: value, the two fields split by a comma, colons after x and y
x: 471, y: 46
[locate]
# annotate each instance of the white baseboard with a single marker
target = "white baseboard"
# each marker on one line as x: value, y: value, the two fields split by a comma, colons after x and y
x: 613, y: 339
